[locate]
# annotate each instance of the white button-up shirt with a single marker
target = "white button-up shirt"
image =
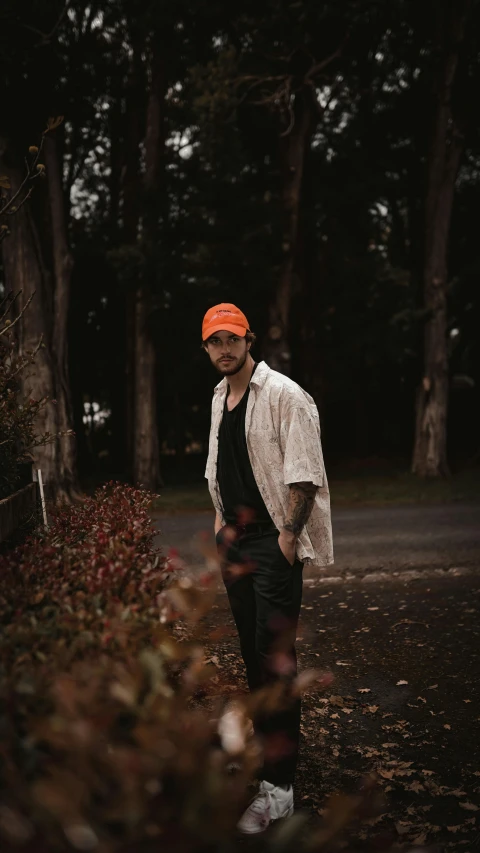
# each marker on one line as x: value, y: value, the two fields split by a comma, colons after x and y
x: 283, y: 440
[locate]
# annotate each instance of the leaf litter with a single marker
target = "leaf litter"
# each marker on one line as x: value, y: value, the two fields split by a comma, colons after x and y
x: 414, y: 790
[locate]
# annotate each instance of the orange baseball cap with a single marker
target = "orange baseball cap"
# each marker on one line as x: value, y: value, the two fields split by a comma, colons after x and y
x: 224, y: 318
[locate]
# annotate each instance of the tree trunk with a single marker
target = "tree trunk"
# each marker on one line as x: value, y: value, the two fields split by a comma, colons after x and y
x: 146, y: 451
x: 25, y: 274
x: 146, y: 458
x: 308, y: 311
x: 294, y: 145
x: 430, y: 450
x: 67, y: 485
x: 131, y: 198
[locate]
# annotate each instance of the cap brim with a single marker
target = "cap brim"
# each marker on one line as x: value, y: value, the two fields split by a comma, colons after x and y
x: 225, y: 327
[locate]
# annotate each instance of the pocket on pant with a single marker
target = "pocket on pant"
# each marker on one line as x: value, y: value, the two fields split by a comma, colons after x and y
x: 283, y: 557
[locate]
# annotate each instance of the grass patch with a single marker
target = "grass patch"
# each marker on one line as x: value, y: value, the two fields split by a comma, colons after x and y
x: 365, y: 490
x: 193, y: 498
x: 405, y: 488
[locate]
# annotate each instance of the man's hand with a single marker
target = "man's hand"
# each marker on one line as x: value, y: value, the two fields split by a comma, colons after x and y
x: 288, y: 545
x: 218, y: 523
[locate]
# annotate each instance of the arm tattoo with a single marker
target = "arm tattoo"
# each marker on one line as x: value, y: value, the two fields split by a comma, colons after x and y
x: 302, y: 497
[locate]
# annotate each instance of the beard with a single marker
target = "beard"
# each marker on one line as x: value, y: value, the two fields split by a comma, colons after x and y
x: 232, y: 367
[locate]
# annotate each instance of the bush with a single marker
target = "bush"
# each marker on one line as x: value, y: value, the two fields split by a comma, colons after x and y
x: 66, y: 591
x: 100, y: 747
x: 103, y: 743
x: 17, y: 416
x: 18, y: 412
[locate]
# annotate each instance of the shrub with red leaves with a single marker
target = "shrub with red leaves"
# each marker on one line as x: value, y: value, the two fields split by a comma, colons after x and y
x: 18, y: 411
x: 102, y: 745
x: 94, y: 569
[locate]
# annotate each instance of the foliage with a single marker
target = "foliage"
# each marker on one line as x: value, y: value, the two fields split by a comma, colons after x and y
x: 18, y: 410
x: 219, y: 204
x: 102, y: 744
x: 100, y: 551
x: 17, y: 415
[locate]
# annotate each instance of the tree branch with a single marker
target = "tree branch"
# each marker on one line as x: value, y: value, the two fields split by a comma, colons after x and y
x: 47, y: 36
x: 327, y: 61
x: 27, y: 359
x: 31, y: 175
x: 17, y: 318
x: 11, y: 299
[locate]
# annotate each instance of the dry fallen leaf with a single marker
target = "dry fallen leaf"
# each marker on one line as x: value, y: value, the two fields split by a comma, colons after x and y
x: 416, y: 787
x: 420, y: 840
x: 402, y: 827
x: 386, y: 774
x: 469, y: 807
x: 364, y: 690
x: 399, y: 683
x: 447, y: 726
x: 372, y: 709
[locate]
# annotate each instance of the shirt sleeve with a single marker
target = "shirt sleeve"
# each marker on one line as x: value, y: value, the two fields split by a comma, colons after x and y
x: 300, y: 442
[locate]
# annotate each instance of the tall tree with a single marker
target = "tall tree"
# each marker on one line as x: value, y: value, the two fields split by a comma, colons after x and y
x: 26, y: 274
x: 446, y: 149
x: 300, y: 113
x: 146, y: 451
x: 61, y: 277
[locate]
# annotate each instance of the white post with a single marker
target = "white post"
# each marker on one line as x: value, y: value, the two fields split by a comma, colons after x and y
x: 42, y: 497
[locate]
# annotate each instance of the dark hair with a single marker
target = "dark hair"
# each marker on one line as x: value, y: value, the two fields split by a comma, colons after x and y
x: 250, y: 338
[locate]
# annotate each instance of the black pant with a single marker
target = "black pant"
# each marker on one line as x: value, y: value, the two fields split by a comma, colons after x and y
x: 265, y: 594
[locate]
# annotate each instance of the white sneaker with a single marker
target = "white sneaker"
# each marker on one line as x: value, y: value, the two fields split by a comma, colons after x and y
x: 271, y: 803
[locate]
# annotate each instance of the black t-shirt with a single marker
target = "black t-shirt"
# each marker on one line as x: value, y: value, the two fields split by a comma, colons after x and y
x: 241, y: 497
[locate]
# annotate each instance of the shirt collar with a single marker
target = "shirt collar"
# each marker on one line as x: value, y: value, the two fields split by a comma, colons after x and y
x: 258, y: 379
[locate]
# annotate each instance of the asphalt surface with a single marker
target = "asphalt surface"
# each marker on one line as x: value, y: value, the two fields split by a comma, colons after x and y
x: 366, y: 540
x: 397, y: 623
x: 404, y: 704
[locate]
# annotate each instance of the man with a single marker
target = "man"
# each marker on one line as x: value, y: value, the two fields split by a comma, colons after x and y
x: 267, y: 481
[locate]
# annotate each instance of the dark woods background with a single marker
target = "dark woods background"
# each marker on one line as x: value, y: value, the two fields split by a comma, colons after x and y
x: 316, y: 163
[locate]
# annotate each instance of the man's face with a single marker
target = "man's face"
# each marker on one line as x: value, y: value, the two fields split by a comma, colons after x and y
x: 228, y: 353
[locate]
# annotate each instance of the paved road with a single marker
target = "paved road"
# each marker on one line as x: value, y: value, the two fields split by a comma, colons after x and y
x: 405, y: 653
x: 367, y: 540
